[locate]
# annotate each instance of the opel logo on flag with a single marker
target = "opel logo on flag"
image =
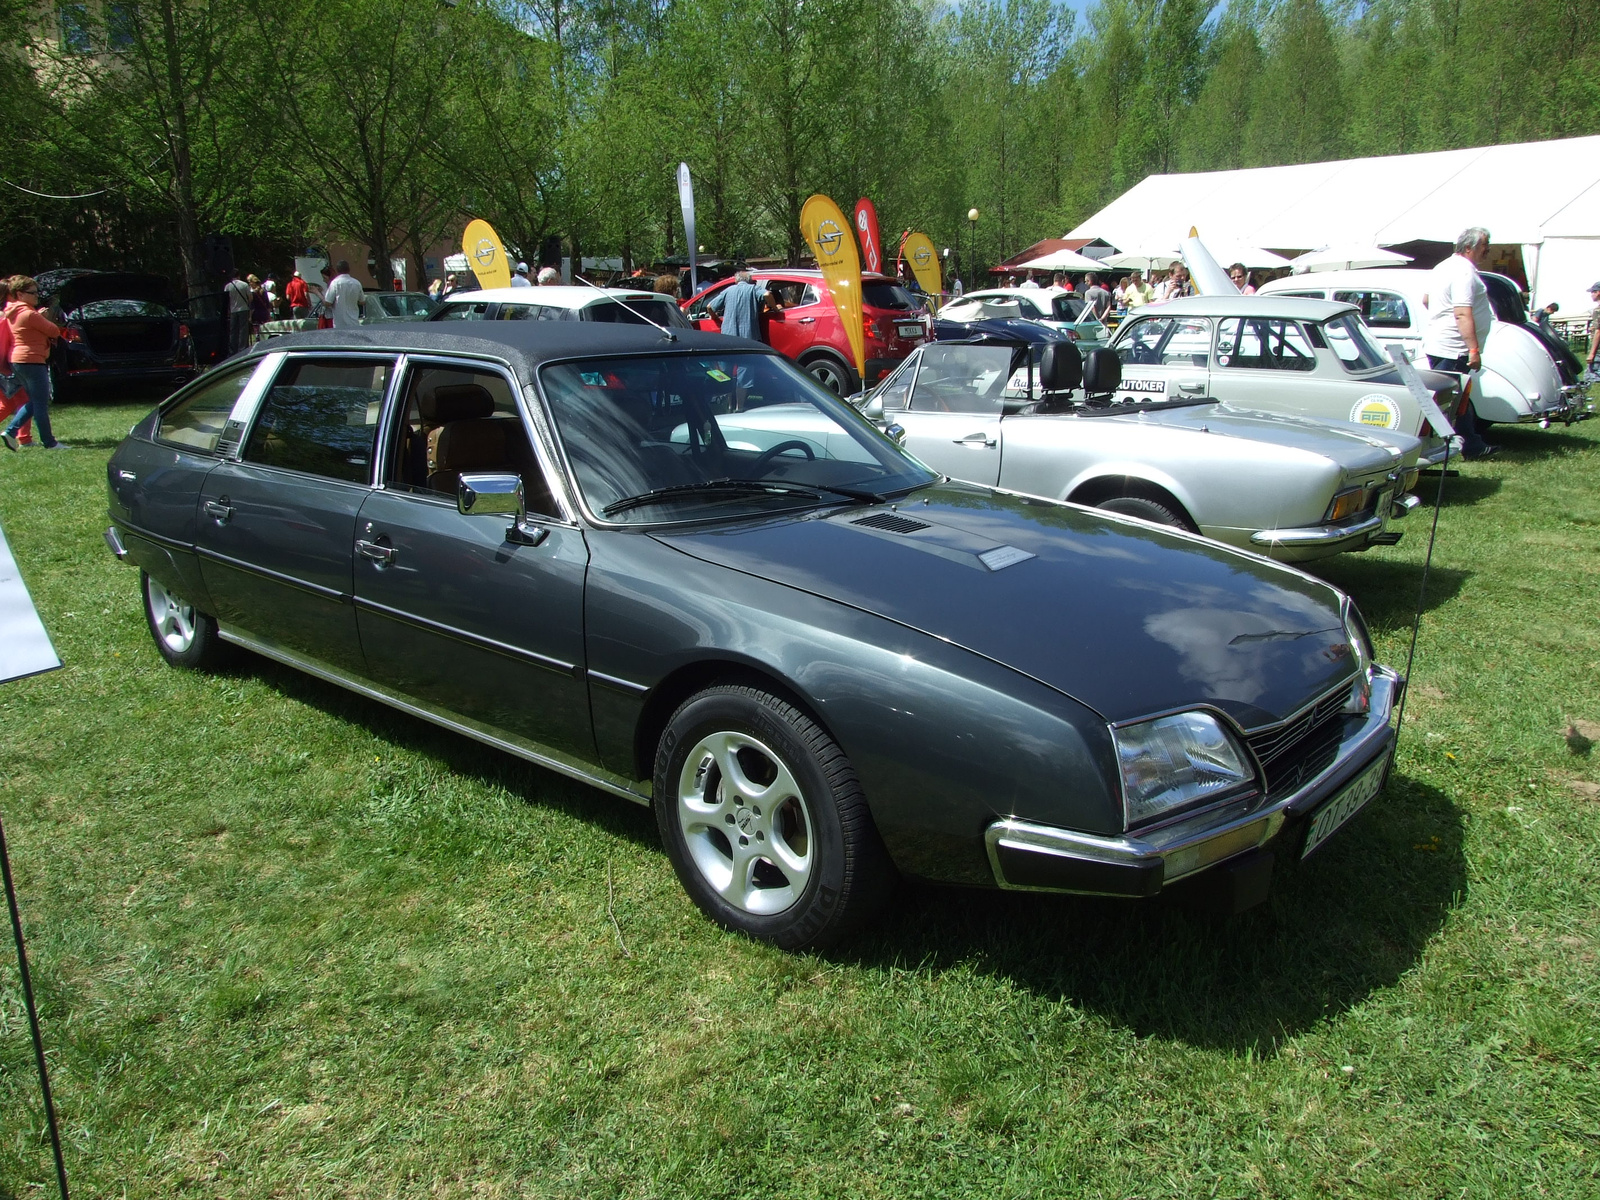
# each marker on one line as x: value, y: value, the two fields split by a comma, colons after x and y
x: 484, y: 252
x: 829, y: 235
x: 921, y: 256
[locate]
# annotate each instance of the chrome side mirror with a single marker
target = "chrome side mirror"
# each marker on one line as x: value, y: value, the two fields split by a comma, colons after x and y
x: 896, y: 433
x: 488, y: 495
x: 499, y: 495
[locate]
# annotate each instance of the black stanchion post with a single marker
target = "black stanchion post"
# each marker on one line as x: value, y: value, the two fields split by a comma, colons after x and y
x: 33, y: 1014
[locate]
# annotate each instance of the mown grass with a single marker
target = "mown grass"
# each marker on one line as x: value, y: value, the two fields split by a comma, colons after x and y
x: 290, y: 943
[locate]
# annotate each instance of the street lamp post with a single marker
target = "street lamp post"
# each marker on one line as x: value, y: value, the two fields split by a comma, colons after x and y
x: 972, y: 247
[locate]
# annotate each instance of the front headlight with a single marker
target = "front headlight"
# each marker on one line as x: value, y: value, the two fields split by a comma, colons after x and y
x: 1173, y: 762
x: 1355, y: 629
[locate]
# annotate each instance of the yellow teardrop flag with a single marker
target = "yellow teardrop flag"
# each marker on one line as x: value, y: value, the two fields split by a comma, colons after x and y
x: 924, y: 259
x: 485, y: 255
x: 828, y: 234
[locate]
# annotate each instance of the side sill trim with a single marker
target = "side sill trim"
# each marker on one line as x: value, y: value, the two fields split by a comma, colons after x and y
x: 554, y: 760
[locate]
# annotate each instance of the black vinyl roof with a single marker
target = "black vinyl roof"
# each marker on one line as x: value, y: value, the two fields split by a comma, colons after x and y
x: 524, y: 345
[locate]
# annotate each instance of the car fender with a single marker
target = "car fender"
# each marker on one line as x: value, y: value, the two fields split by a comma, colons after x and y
x: 1128, y: 469
x: 1520, y: 378
x: 888, y: 695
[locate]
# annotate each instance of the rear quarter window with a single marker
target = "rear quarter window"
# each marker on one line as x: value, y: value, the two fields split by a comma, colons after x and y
x: 197, y: 421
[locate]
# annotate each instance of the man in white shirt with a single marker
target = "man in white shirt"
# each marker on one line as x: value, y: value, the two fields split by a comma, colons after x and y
x: 1459, y: 317
x: 520, y: 279
x: 1030, y: 282
x: 238, y: 293
x: 345, y: 298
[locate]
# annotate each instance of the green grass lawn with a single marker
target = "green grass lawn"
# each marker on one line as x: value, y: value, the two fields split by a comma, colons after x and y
x: 288, y: 942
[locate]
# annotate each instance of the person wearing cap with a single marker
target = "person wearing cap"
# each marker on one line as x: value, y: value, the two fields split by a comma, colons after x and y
x: 1594, y: 323
x: 520, y: 279
x: 1459, y: 318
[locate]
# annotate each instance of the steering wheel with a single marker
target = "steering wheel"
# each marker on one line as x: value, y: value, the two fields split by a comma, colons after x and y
x: 764, y: 459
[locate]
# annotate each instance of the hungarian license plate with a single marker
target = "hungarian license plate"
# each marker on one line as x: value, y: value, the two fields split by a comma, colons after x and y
x: 1350, y: 800
x: 910, y: 331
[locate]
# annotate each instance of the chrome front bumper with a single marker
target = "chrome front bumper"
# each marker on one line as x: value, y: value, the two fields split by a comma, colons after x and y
x: 1357, y: 533
x: 1029, y: 857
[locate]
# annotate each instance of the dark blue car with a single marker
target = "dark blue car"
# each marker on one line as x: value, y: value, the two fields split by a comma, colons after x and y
x: 673, y: 566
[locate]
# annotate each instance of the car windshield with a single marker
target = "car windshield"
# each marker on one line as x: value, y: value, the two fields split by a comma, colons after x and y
x: 684, y: 437
x: 985, y: 308
x: 659, y: 312
x: 1352, y: 343
x: 405, y: 304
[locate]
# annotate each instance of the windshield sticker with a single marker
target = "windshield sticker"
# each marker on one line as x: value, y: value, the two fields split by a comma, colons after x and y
x: 1143, y: 385
x: 592, y: 378
x: 719, y: 375
x: 1376, y: 410
x: 1222, y: 359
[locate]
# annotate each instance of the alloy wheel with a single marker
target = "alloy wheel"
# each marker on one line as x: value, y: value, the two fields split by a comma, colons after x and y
x: 746, y: 823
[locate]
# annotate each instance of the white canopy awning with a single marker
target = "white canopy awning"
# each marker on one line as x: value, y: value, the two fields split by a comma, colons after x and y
x: 1061, y: 260
x: 1523, y: 194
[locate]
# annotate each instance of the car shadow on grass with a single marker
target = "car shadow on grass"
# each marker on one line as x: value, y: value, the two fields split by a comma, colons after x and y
x: 1350, y: 921
x: 462, y: 756
x: 1530, y: 442
x: 1386, y: 591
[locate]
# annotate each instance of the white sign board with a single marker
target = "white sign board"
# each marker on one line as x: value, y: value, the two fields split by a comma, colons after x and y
x: 25, y: 647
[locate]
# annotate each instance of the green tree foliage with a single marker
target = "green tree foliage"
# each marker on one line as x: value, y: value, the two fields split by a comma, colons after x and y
x: 389, y: 122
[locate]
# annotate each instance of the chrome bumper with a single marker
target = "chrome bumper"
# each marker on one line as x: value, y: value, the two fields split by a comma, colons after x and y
x: 1320, y: 535
x: 1029, y: 857
x: 114, y: 544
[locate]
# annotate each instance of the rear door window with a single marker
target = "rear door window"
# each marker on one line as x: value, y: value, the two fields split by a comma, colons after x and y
x: 321, y: 417
x: 1264, y: 343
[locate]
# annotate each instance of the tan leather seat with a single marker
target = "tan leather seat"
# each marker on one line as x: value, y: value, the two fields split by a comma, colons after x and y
x: 469, y: 437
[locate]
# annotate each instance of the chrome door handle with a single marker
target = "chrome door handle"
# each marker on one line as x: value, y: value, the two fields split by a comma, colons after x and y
x: 1191, y: 385
x: 221, y: 510
x: 976, y: 440
x: 805, y: 320
x: 383, y: 555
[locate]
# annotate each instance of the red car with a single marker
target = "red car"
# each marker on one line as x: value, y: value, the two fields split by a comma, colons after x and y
x: 805, y: 326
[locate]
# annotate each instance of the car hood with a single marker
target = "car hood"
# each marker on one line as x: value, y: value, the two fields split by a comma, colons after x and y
x: 1355, y: 450
x: 1122, y: 616
x: 79, y: 290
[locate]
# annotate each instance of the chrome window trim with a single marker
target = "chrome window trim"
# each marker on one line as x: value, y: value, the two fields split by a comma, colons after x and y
x: 639, y: 791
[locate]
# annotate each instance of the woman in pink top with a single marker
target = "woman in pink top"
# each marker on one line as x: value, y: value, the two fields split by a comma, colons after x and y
x: 10, y: 385
x: 31, y: 332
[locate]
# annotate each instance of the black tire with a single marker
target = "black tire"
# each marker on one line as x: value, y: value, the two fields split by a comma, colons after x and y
x: 1145, y: 509
x: 824, y: 868
x: 831, y: 373
x: 183, y: 635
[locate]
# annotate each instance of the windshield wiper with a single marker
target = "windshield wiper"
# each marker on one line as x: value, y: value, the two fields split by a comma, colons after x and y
x: 709, y: 485
x: 857, y: 494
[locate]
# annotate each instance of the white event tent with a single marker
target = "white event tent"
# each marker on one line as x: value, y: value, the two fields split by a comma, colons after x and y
x: 1541, y: 196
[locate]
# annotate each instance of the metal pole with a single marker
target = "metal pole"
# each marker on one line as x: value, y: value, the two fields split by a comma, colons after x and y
x: 33, y: 1014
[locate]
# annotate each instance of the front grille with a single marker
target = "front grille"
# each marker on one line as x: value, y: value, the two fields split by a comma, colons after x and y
x: 890, y: 523
x: 1290, y: 751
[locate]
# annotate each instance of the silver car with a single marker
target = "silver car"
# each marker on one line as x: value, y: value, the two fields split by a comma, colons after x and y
x: 1009, y: 415
x: 1278, y: 354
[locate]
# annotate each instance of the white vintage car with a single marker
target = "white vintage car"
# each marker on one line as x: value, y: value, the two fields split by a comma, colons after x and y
x: 1527, y: 377
x: 1005, y: 410
x: 1277, y: 354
